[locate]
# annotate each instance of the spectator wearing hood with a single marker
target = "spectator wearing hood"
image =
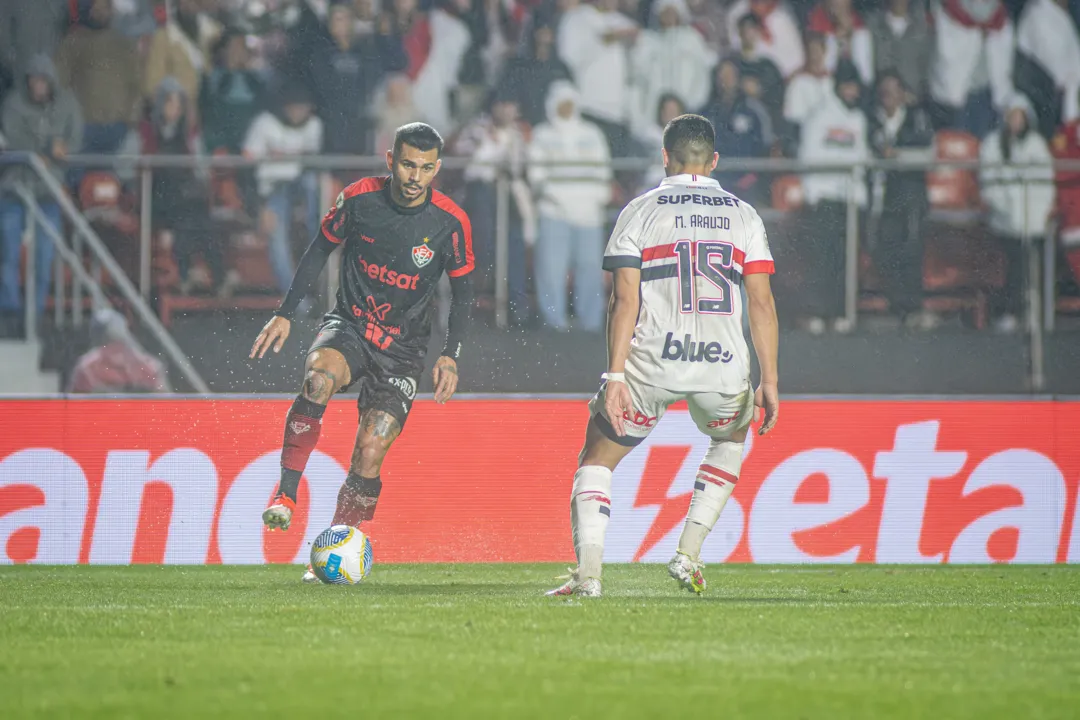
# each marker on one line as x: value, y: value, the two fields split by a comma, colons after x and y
x: 528, y: 76
x: 592, y: 40
x: 1048, y: 61
x: 345, y: 70
x: 116, y: 363
x: 743, y: 130
x: 181, y: 201
x: 293, y: 130
x: 28, y: 28
x: 974, y: 48
x: 669, y: 57
x: 103, y: 70
x: 181, y: 49
x: 835, y: 133
x: 231, y: 96
x: 1016, y: 213
x: 572, y: 198
x: 41, y: 117
x: 900, y: 130
x: 781, y: 39
x: 497, y: 145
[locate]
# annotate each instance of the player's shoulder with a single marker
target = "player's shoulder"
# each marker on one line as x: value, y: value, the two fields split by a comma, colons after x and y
x: 446, y: 204
x: 363, y: 186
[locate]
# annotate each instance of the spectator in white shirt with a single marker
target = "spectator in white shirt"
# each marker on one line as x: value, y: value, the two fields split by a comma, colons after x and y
x: 846, y: 36
x: 592, y: 40
x: 836, y: 133
x: 497, y: 145
x: 781, y: 40
x: 570, y: 173
x: 670, y: 57
x: 974, y: 48
x: 436, y: 79
x: 808, y: 90
x: 1018, y: 210
x: 292, y: 131
x: 1047, y: 37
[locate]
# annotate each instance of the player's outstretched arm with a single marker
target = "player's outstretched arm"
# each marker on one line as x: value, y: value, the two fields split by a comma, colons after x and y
x: 765, y: 330
x: 276, y: 331
x: 445, y: 375
x: 622, y: 318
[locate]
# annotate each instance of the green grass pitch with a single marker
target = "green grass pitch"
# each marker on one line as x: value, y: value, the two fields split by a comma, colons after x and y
x: 479, y: 641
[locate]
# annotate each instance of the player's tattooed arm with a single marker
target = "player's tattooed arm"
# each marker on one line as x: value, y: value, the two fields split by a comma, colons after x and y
x: 445, y: 378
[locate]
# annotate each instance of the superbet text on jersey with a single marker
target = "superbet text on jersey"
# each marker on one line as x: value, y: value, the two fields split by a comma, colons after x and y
x: 392, y: 262
x: 694, y: 242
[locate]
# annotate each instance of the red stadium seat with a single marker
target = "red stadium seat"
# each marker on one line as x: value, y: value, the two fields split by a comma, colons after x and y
x: 950, y: 188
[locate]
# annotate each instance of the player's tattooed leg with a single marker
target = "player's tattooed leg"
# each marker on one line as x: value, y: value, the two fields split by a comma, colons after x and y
x: 359, y: 495
x: 319, y: 385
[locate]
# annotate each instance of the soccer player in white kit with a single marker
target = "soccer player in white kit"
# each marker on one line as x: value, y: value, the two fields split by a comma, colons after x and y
x: 679, y: 254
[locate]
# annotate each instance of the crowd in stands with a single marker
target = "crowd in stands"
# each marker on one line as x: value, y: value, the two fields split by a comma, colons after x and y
x: 528, y: 90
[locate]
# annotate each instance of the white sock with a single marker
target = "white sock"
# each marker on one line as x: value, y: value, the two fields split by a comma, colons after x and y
x: 590, y: 510
x: 715, y: 481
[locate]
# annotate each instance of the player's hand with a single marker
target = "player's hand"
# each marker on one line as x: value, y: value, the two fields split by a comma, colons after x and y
x: 767, y: 397
x: 617, y: 403
x: 273, y: 334
x: 444, y: 376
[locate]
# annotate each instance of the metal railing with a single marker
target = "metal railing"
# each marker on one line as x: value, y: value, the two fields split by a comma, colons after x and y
x: 83, y: 233
x: 1040, y: 286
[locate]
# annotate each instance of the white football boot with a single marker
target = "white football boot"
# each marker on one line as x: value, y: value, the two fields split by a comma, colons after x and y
x: 279, y: 515
x: 587, y: 587
x: 687, y: 572
x: 309, y: 577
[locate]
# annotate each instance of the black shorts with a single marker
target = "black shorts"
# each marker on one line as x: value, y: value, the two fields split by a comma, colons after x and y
x: 385, y: 383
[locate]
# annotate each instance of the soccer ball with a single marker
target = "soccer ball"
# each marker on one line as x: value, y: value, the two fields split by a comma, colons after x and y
x: 341, y: 555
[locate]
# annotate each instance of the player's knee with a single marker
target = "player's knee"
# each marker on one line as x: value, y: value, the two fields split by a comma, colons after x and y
x: 725, y: 454
x: 320, y: 384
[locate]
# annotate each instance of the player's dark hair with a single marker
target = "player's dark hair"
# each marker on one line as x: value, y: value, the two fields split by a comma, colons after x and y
x: 690, y: 140
x: 419, y: 135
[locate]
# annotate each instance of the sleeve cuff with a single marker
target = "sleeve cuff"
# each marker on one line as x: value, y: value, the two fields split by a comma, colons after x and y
x: 758, y: 267
x: 613, y: 262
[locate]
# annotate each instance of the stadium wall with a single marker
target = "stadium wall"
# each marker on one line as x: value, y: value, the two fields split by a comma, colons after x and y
x: 487, y: 479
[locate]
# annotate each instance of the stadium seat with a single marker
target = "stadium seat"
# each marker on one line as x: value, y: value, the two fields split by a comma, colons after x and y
x: 951, y: 188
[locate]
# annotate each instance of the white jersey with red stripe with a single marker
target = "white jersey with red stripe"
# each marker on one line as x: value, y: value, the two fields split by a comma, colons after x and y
x: 694, y: 242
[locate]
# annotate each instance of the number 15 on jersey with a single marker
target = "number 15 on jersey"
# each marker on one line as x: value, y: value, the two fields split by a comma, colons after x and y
x: 712, y: 260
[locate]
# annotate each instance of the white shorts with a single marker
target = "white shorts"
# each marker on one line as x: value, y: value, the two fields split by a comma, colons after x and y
x: 718, y: 415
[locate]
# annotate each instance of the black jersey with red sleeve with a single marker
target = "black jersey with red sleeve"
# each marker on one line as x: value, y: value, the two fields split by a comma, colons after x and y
x: 392, y: 260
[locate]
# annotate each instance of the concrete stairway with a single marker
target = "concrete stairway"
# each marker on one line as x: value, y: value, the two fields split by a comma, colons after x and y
x: 20, y: 371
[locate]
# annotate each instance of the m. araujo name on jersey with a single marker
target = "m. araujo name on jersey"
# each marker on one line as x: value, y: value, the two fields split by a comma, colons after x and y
x: 693, y: 242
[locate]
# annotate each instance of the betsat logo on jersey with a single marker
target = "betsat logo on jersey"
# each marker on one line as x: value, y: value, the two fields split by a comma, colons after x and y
x: 688, y: 350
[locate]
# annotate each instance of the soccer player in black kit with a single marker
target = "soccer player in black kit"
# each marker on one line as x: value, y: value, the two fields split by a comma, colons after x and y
x: 399, y: 237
